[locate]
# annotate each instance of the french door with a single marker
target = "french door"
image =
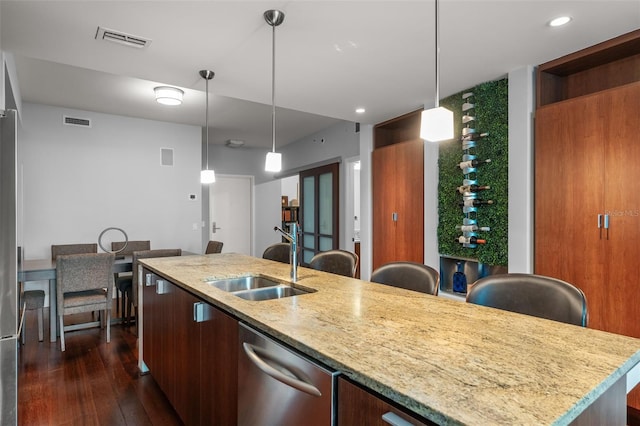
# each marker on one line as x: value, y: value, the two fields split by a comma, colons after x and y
x: 319, y: 210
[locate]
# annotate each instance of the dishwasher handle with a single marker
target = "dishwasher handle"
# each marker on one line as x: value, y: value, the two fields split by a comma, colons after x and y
x: 281, y: 377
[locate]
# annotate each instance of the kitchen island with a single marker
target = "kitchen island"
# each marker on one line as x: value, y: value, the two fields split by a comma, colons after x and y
x: 448, y: 362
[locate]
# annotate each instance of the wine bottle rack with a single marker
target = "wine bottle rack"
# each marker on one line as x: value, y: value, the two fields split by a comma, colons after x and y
x: 471, y: 188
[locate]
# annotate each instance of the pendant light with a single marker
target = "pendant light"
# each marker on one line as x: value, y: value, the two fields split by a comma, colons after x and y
x: 273, y: 162
x: 207, y: 176
x: 437, y: 123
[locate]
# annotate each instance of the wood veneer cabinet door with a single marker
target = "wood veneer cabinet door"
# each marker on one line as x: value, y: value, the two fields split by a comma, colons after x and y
x: 219, y: 369
x: 186, y: 350
x: 586, y: 150
x: 569, y: 173
x: 357, y: 406
x: 398, y: 188
x: 622, y: 204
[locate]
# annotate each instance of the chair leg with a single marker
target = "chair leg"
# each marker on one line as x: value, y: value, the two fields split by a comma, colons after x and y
x: 61, y: 332
x: 40, y: 325
x: 108, y: 325
x: 117, y: 301
x: 123, y: 310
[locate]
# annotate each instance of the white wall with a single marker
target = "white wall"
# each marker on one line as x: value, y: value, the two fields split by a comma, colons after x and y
x: 366, y: 249
x: 79, y: 181
x: 289, y: 186
x: 521, y: 171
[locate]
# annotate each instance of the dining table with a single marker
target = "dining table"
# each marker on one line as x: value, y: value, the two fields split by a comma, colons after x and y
x: 45, y: 270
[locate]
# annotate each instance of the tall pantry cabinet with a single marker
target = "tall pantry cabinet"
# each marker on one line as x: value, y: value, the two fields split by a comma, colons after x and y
x: 397, y: 165
x: 587, y: 181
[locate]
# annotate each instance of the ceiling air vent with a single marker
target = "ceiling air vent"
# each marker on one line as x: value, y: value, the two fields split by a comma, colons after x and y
x: 122, y: 38
x: 74, y: 121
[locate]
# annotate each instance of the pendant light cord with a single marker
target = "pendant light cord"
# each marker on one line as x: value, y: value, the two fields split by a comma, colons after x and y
x: 273, y: 88
x: 206, y: 119
x: 437, y: 103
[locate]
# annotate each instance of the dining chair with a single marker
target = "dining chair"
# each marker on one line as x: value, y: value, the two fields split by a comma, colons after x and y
x: 531, y: 294
x: 58, y: 249
x: 408, y: 275
x: 214, y: 247
x: 131, y: 293
x: 123, y: 279
x: 34, y: 300
x: 84, y: 284
x: 341, y: 262
x: 279, y: 252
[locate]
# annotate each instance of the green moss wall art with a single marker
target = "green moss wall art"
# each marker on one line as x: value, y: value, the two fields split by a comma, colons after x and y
x: 490, y: 114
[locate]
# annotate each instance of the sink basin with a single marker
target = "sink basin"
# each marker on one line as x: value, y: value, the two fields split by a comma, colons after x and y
x: 257, y: 287
x: 243, y: 283
x: 269, y: 293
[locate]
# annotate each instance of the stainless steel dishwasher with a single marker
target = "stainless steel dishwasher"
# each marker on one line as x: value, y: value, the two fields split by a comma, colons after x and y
x: 277, y: 386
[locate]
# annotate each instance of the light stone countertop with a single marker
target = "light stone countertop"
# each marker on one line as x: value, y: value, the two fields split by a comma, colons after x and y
x: 450, y: 362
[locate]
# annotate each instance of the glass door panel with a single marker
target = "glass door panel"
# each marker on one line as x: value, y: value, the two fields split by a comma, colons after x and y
x: 319, y: 213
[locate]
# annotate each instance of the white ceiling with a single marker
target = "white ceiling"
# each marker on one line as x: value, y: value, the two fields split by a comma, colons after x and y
x: 331, y: 56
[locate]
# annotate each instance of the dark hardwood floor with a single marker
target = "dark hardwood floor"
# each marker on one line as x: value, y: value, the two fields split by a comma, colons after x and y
x: 92, y: 383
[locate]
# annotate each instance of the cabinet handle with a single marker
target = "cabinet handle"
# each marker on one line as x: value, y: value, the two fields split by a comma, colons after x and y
x: 606, y: 224
x: 147, y: 280
x: 161, y: 287
x: 394, y: 216
x: 600, y: 225
x: 395, y: 420
x: 200, y: 312
x: 267, y: 369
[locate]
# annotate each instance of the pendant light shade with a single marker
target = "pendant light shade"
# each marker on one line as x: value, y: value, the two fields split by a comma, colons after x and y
x: 207, y: 176
x: 273, y: 162
x: 437, y: 123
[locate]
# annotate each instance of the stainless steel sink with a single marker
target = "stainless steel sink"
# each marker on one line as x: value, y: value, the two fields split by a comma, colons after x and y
x: 243, y: 283
x: 257, y: 287
x: 271, y: 293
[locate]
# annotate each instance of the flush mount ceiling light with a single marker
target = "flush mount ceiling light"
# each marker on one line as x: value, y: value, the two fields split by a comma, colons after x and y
x: 437, y: 123
x: 167, y: 95
x: 360, y: 110
x: 559, y: 21
x: 207, y: 176
x: 273, y: 162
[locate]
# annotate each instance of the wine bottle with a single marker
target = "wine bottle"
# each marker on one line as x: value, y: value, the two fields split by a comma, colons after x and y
x: 470, y: 240
x: 467, y: 106
x: 467, y: 118
x: 472, y: 188
x: 473, y: 136
x: 472, y: 228
x: 472, y: 163
x: 475, y: 202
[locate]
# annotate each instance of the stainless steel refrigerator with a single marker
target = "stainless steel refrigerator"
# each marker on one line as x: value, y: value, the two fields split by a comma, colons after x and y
x: 9, y: 291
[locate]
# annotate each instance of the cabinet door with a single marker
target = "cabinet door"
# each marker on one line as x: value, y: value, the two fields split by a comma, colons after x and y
x: 356, y: 406
x: 383, y: 166
x: 150, y: 341
x: 218, y: 368
x: 398, y: 203
x: 186, y: 350
x: 164, y: 330
x: 569, y: 172
x: 621, y: 202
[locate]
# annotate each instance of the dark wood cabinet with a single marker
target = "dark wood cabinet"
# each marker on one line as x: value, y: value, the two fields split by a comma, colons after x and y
x: 190, y: 348
x: 398, y: 206
x: 587, y: 215
x: 359, y: 406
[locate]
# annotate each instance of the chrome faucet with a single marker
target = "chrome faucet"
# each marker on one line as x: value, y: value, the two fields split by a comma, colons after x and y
x: 293, y: 251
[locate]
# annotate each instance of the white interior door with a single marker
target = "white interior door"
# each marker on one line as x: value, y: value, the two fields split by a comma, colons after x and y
x: 230, y: 213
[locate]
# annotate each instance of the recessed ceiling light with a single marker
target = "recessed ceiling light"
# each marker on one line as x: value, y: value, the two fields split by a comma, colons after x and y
x: 360, y: 110
x: 559, y: 21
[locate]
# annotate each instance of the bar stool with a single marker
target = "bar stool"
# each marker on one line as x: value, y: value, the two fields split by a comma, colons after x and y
x: 34, y: 299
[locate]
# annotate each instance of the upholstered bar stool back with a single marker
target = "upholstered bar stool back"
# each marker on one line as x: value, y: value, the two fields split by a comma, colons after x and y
x: 531, y: 294
x: 278, y: 252
x: 58, y: 249
x: 341, y: 262
x: 408, y: 275
x: 214, y: 247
